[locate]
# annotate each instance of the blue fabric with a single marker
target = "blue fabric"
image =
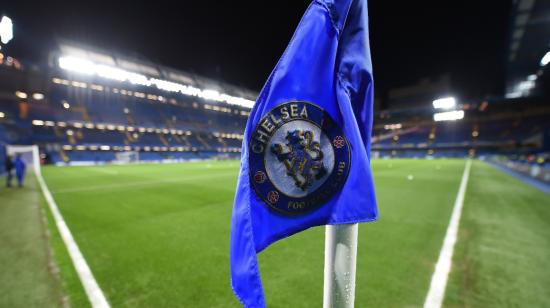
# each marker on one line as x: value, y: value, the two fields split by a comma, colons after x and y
x: 20, y: 170
x: 327, y: 62
x: 19, y: 166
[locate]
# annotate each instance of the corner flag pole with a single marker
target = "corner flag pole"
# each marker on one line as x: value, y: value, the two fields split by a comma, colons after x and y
x: 340, y: 264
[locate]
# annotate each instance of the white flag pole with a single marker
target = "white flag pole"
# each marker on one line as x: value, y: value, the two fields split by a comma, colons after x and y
x: 340, y: 264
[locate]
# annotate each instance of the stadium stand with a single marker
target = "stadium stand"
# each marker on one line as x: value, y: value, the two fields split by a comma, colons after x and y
x: 87, y: 105
x: 83, y: 117
x: 507, y: 126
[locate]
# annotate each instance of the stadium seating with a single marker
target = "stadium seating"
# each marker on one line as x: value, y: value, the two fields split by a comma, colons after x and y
x: 90, y: 119
x: 505, y: 129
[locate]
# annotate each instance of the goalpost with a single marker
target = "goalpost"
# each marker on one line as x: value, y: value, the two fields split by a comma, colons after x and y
x: 29, y: 154
x: 127, y: 157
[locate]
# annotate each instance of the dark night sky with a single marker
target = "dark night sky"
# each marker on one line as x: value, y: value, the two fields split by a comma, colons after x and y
x: 240, y: 41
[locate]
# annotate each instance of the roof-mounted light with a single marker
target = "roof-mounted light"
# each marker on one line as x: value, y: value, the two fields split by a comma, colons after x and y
x: 6, y: 29
x: 444, y: 103
x: 449, y: 116
x: 87, y: 67
x: 545, y: 60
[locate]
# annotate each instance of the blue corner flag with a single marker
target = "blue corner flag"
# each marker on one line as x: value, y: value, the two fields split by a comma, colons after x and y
x: 306, y: 151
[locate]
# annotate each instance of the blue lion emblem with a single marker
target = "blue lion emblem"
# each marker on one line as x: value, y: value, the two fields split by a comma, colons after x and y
x: 302, y: 157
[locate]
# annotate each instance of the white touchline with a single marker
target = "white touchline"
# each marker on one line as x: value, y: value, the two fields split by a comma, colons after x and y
x: 434, y: 299
x: 95, y: 295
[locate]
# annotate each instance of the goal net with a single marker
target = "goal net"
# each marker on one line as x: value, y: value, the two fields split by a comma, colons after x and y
x: 28, y: 153
x: 127, y: 157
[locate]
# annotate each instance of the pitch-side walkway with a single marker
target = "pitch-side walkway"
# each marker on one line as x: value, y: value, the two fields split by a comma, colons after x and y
x: 26, y: 269
x: 524, y: 178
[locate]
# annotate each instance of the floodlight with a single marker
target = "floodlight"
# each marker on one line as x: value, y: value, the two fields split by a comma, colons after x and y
x: 545, y: 60
x: 38, y: 96
x: 77, y: 65
x: 211, y: 95
x: 444, y: 103
x: 514, y: 94
x: 6, y: 29
x: 87, y: 67
x: 526, y: 85
x: 449, y: 115
x: 392, y: 126
x: 21, y: 94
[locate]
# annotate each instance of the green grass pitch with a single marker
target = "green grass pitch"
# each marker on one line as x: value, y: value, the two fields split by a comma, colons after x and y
x: 158, y: 236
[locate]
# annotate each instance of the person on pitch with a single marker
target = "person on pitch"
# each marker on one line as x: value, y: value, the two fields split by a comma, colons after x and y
x: 19, y: 170
x: 8, y: 165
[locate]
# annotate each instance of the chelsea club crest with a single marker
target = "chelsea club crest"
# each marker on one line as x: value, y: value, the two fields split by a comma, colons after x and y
x: 299, y: 158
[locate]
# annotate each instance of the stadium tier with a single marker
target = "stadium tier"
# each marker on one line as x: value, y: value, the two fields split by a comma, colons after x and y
x: 89, y: 116
x: 87, y: 106
x: 499, y: 127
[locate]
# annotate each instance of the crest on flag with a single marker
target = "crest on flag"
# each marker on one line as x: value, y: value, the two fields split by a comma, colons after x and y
x: 299, y: 158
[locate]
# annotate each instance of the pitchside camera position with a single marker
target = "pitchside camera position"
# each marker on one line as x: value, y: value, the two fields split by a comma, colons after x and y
x: 320, y: 153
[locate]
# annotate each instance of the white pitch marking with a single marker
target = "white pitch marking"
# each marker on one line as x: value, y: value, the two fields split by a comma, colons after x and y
x: 95, y: 295
x: 434, y: 299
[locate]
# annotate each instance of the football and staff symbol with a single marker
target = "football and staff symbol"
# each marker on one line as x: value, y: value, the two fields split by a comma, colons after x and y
x: 259, y: 177
x: 273, y: 197
x: 338, y: 142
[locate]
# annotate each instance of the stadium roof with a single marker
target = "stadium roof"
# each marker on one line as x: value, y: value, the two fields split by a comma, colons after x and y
x: 529, y: 43
x: 88, y: 60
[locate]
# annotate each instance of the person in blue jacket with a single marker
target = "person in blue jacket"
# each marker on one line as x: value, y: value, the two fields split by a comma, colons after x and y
x: 19, y: 170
